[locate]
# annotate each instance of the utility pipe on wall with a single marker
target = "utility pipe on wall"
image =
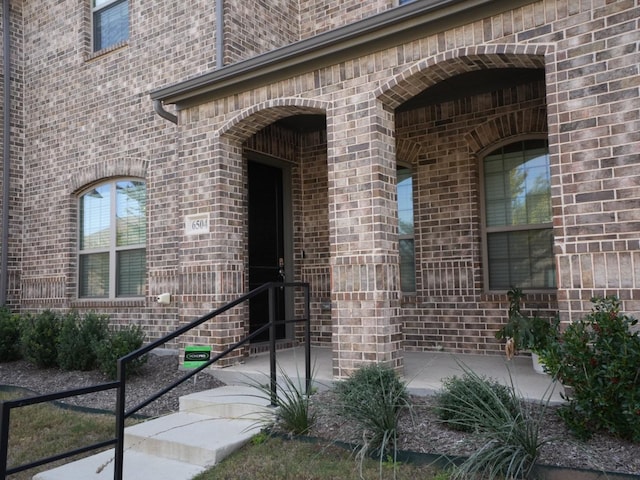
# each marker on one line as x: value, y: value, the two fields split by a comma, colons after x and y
x: 219, y: 33
x: 6, y: 152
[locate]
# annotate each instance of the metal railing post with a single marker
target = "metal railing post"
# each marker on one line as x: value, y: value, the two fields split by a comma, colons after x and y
x: 272, y: 345
x: 118, y: 466
x: 307, y: 340
x: 4, y: 439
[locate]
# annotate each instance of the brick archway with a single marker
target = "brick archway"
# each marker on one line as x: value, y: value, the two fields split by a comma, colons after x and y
x: 504, y: 127
x: 431, y: 70
x: 250, y: 120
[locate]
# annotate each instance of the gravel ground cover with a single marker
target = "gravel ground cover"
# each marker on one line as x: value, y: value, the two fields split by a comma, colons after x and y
x: 421, y: 431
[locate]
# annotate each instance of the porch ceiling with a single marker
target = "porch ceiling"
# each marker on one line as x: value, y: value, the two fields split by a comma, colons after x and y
x: 453, y: 88
x: 472, y: 83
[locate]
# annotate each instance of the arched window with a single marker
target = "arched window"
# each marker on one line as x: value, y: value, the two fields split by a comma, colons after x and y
x: 517, y: 217
x: 112, y: 239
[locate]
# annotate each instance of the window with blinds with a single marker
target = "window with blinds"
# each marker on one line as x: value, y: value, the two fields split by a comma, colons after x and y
x: 110, y: 23
x: 112, y: 239
x: 518, y: 218
x: 405, y: 231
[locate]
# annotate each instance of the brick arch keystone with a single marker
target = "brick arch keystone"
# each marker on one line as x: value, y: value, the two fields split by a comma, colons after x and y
x: 252, y: 119
x: 431, y: 70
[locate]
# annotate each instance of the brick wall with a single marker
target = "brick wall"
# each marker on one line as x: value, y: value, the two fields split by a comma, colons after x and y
x: 256, y: 27
x: 318, y: 16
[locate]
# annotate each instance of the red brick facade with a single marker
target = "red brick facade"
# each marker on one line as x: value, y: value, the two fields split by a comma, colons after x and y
x: 79, y: 118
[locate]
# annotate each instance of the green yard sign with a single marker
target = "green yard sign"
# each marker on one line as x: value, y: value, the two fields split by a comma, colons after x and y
x: 196, y: 355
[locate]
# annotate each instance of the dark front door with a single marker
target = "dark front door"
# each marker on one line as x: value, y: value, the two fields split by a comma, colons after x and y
x: 266, y: 243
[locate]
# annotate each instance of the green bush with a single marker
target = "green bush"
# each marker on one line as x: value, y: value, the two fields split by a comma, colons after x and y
x: 462, y: 398
x: 119, y: 343
x: 78, y: 340
x: 39, y: 338
x: 507, y: 426
x: 9, y: 336
x: 374, y: 397
x: 598, y: 357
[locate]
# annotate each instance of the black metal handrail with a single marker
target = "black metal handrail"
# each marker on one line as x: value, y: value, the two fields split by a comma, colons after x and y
x: 120, y: 384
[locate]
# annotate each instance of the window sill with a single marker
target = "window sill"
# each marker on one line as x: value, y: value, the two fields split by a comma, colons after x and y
x: 105, y: 51
x: 108, y: 302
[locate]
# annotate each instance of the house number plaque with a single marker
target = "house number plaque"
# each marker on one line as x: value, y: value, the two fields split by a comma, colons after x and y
x: 196, y: 224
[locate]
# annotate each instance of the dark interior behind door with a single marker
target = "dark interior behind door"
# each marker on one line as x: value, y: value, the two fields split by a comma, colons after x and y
x: 266, y: 242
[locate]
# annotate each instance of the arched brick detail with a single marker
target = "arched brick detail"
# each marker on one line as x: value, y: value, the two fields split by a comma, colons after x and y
x: 251, y: 120
x: 114, y: 167
x: 431, y: 70
x: 531, y: 121
x: 408, y: 151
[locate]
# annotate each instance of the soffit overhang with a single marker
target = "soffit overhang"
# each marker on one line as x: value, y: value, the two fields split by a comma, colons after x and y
x: 392, y: 27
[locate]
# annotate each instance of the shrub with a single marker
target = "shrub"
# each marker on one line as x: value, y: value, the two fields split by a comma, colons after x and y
x: 461, y: 399
x: 78, y: 340
x: 598, y: 357
x: 293, y: 405
x: 9, y: 336
x: 508, y: 427
x: 119, y: 343
x: 374, y: 397
x: 531, y: 333
x: 39, y: 338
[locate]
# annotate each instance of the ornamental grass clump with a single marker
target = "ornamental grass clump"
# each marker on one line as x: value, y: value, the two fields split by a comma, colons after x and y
x: 462, y: 398
x: 293, y: 412
x: 507, y: 426
x: 599, y: 358
x: 374, y: 397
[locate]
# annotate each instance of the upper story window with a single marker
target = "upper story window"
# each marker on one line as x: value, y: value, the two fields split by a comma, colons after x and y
x: 110, y: 22
x: 405, y: 231
x: 112, y: 239
x: 517, y: 215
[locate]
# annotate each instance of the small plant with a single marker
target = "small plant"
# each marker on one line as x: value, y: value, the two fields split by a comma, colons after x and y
x: 293, y: 405
x: 526, y: 333
x: 39, y: 338
x: 374, y: 397
x: 462, y: 398
x: 9, y: 336
x: 117, y: 344
x: 599, y: 357
x: 508, y: 427
x: 260, y: 438
x: 78, y: 340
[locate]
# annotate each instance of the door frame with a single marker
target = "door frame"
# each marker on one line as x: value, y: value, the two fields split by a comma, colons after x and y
x: 287, y: 227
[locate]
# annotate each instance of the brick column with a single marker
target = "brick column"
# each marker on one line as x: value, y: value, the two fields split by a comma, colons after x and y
x: 212, y: 261
x: 363, y: 237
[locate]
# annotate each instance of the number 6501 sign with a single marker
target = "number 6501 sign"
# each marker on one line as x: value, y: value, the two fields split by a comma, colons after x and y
x: 196, y: 224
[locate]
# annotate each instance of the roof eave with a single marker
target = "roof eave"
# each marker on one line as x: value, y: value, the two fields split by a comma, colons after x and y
x: 383, y: 30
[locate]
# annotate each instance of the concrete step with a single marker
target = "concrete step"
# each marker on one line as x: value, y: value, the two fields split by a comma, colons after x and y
x: 241, y: 402
x: 192, y: 438
x: 137, y: 466
x: 209, y: 426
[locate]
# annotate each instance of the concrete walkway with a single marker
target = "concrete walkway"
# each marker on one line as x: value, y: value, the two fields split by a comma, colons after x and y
x: 423, y: 371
